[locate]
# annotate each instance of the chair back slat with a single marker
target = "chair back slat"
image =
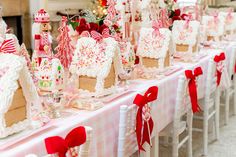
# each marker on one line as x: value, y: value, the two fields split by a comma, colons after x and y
x: 84, y: 149
x: 127, y: 139
x: 211, y: 85
x: 182, y: 100
x: 232, y: 62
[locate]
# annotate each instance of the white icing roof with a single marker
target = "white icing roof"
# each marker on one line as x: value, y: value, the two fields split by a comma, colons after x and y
x: 92, y: 59
x: 185, y: 36
x: 151, y: 46
x: 12, y: 69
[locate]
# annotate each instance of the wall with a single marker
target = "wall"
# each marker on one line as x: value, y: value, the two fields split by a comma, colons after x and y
x: 19, y: 8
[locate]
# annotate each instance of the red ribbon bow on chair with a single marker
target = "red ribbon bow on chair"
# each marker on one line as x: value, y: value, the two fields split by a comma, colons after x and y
x: 8, y: 46
x: 192, y: 87
x: 144, y: 122
x: 60, y: 146
x: 98, y: 37
x: 219, y: 67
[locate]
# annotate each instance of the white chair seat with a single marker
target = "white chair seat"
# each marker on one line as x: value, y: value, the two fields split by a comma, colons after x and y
x: 167, y: 131
x: 210, y: 104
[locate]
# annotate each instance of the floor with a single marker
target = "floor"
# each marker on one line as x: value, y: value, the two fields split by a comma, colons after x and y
x: 224, y: 147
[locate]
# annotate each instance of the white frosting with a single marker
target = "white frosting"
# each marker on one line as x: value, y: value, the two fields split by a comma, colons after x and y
x: 94, y: 59
x: 213, y: 28
x: 152, y: 46
x: 89, y: 55
x: 186, y: 36
x: 13, y: 68
x: 20, y: 126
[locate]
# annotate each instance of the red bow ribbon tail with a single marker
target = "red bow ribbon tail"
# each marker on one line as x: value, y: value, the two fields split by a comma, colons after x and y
x: 235, y: 68
x: 218, y: 59
x: 218, y: 74
x: 192, y: 87
x: 57, y: 145
x: 144, y: 127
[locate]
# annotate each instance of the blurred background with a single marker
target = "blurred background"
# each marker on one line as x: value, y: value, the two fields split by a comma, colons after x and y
x: 18, y: 14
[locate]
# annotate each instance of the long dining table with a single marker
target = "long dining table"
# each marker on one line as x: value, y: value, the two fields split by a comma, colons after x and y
x: 105, y: 121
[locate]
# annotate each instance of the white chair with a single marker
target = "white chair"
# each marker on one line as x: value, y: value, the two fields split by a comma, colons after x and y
x: 127, y: 144
x: 232, y: 74
x: 183, y: 117
x: 231, y: 91
x: 210, y: 105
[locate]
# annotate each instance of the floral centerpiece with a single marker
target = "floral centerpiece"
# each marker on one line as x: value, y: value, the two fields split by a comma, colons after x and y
x: 172, y: 12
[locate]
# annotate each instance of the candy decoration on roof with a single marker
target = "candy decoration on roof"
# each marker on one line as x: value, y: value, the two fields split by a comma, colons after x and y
x: 64, y: 48
x: 7, y: 46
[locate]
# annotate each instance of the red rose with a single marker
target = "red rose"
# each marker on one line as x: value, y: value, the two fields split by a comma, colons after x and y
x: 115, y: 27
x: 94, y: 26
x: 82, y: 21
x: 82, y: 28
x: 102, y: 27
x: 177, y: 12
x: 176, y: 18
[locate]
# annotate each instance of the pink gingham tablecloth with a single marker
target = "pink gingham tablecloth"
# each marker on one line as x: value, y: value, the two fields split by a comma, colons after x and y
x: 105, y: 121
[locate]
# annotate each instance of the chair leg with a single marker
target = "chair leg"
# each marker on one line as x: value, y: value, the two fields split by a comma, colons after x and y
x: 190, y: 121
x: 175, y: 149
x: 227, y: 96
x: 166, y: 141
x: 234, y: 94
x: 205, y: 132
x: 155, y: 146
x: 217, y: 114
x: 147, y: 152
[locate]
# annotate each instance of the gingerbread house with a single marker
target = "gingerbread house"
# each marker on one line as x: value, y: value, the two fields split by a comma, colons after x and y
x: 230, y: 21
x: 154, y: 50
x: 18, y: 95
x: 96, y: 65
x: 214, y: 26
x: 50, y: 75
x: 185, y: 35
x: 127, y: 54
